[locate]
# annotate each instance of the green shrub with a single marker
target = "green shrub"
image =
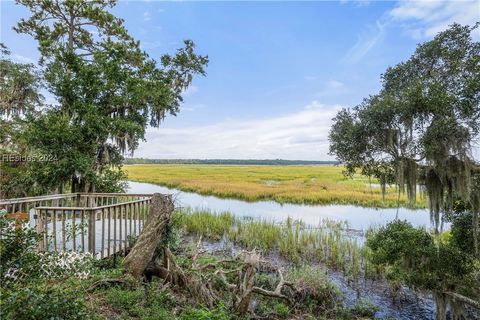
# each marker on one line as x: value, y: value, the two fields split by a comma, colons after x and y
x: 410, y: 255
x: 124, y: 300
x: 44, y: 301
x: 17, y: 252
x: 365, y: 308
x: 282, y: 310
x: 150, y: 302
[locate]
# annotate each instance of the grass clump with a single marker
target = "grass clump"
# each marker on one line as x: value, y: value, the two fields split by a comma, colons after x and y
x: 203, y: 222
x: 218, y: 313
x: 318, y: 294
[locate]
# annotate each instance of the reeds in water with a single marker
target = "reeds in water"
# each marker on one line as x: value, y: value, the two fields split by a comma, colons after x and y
x: 328, y: 243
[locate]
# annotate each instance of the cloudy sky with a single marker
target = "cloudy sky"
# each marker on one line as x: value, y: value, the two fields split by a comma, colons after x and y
x: 278, y: 72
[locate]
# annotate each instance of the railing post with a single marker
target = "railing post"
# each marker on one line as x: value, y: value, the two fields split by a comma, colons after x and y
x: 91, y: 231
x: 40, y: 228
x: 78, y: 200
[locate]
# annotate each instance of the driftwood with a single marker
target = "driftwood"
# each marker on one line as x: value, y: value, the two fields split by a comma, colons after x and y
x: 202, y: 289
x: 246, y: 287
x: 143, y: 251
x: 466, y: 300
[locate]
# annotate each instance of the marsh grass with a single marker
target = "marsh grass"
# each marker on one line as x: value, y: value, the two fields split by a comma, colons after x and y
x: 283, y: 184
x: 328, y: 243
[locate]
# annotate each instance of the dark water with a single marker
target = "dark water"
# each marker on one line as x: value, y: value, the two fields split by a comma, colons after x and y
x: 406, y: 306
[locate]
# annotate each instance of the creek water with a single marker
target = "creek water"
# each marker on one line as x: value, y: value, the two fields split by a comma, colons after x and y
x: 358, y: 218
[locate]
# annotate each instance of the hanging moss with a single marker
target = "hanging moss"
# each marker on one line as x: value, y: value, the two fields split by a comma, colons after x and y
x: 410, y: 173
x: 435, y: 191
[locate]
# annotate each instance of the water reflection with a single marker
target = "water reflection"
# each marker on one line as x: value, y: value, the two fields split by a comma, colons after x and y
x: 358, y: 218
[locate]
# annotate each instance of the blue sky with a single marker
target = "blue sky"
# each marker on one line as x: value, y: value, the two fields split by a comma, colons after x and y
x: 278, y: 72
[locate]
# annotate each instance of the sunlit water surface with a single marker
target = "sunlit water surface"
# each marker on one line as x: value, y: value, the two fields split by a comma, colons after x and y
x: 358, y: 218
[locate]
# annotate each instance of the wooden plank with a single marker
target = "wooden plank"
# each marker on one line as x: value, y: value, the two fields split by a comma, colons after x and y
x: 109, y: 236
x: 135, y: 219
x: 91, y: 231
x: 45, y: 230
x: 82, y: 226
x: 120, y: 228
x: 64, y: 242
x: 103, y: 233
x: 140, y: 214
x: 74, y: 231
x: 54, y: 231
x: 125, y: 209
x: 39, y: 225
x: 80, y: 208
x: 34, y: 199
x: 115, y: 211
x: 131, y: 212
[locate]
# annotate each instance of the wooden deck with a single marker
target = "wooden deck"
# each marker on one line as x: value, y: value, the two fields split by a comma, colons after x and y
x: 100, y: 223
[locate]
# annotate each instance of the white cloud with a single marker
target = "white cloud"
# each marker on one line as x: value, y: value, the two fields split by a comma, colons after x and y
x: 300, y: 135
x: 366, y: 41
x: 420, y: 19
x: 423, y: 19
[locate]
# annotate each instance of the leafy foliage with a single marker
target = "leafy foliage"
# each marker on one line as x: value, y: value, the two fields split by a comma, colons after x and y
x: 411, y: 256
x: 421, y: 125
x: 19, y: 95
x: 19, y: 86
x: 41, y: 301
x: 17, y: 251
x: 107, y: 92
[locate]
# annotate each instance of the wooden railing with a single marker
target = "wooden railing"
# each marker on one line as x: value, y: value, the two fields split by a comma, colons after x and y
x: 100, y: 223
x: 28, y: 203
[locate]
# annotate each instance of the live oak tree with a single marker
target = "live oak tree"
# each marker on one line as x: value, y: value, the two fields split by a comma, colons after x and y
x: 19, y: 95
x: 107, y: 91
x: 423, y: 124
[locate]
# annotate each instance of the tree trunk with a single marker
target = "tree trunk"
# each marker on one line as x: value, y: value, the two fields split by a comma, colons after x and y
x: 142, y: 252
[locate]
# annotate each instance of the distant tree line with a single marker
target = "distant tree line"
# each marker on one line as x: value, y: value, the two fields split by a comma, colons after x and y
x: 275, y: 162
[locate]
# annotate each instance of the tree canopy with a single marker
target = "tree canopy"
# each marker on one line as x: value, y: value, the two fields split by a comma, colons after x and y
x: 107, y: 91
x: 422, y: 125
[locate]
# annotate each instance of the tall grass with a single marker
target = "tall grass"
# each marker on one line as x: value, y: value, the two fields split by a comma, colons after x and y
x: 327, y: 243
x: 283, y: 184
